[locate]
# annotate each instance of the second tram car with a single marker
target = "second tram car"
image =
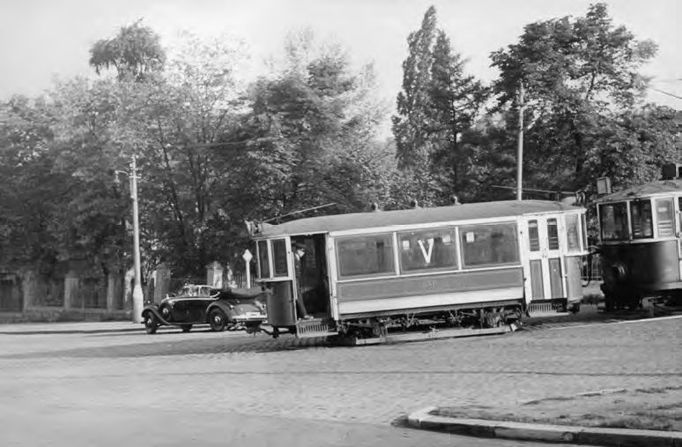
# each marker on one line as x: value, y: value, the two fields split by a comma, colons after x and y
x: 478, y: 264
x: 640, y: 247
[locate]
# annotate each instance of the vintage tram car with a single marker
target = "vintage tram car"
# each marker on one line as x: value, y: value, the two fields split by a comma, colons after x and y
x: 639, y: 242
x: 364, y: 274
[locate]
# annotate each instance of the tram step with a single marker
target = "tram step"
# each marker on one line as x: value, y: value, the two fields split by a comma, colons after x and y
x: 315, y: 327
x: 538, y: 308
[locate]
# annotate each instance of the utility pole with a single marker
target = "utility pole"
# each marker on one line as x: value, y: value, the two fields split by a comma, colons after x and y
x: 138, y: 298
x: 519, y: 151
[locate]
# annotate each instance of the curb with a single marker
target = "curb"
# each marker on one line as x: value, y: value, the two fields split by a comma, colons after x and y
x: 423, y: 419
x: 70, y: 328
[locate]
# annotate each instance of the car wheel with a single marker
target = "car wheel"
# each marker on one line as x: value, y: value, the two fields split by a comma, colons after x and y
x: 186, y: 327
x: 217, y: 320
x: 150, y: 323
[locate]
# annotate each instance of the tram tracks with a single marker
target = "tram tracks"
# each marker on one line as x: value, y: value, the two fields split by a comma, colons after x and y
x: 594, y: 316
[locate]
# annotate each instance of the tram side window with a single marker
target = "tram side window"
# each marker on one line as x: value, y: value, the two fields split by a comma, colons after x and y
x: 263, y: 264
x: 365, y: 256
x: 664, y: 217
x: 640, y: 214
x: 614, y: 221
x: 486, y: 245
x: 427, y: 250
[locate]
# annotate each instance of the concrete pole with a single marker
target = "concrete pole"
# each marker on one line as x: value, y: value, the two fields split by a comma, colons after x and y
x: 519, y: 152
x: 138, y: 298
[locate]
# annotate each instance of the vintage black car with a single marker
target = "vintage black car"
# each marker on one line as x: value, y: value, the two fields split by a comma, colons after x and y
x: 222, y: 309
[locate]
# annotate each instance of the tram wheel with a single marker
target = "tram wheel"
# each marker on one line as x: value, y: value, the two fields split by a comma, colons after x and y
x: 492, y: 319
x: 635, y: 301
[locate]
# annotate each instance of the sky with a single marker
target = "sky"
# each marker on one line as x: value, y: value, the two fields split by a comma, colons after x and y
x: 44, y: 39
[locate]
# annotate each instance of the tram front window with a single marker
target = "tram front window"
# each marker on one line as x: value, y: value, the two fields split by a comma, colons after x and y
x: 573, y: 232
x: 614, y: 221
x: 642, y: 225
x: 279, y: 257
x: 263, y: 262
x: 664, y: 217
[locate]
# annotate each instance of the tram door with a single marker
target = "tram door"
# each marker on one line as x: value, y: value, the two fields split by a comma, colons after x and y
x: 544, y: 258
x: 311, y: 285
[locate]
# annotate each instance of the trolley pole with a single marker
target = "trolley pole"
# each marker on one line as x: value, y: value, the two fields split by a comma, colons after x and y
x: 519, y: 151
x: 138, y: 297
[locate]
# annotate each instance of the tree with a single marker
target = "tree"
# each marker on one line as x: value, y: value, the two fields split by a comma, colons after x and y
x: 413, y: 101
x: 32, y: 193
x: 135, y: 52
x: 180, y: 120
x: 309, y: 136
x: 631, y: 148
x: 89, y: 145
x: 438, y: 103
x: 578, y: 76
x: 455, y: 102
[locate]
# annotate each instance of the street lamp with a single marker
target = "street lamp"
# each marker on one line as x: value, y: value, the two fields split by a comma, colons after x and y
x: 138, y: 297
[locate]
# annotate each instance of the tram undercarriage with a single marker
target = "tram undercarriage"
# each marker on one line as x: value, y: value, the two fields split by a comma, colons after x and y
x: 462, y: 318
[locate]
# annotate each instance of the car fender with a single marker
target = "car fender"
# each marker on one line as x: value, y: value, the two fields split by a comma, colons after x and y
x: 225, y: 307
x: 154, y: 309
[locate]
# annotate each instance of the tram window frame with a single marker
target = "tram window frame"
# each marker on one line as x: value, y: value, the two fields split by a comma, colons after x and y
x: 533, y: 235
x: 279, y: 258
x: 263, y: 259
x: 573, y: 238
x: 468, y: 236
x: 621, y: 230
x: 553, y: 242
x: 640, y: 226
x: 439, y: 253
x: 388, y: 267
x: 661, y: 217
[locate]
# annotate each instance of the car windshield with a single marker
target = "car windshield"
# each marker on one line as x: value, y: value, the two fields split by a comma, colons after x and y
x: 194, y: 290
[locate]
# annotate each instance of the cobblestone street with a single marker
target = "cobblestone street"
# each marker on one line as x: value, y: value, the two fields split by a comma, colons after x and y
x: 254, y: 375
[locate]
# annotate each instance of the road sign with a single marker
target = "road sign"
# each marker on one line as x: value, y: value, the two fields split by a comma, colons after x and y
x: 247, y: 256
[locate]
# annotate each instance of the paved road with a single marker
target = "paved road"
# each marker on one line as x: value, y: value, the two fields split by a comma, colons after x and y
x: 81, y: 382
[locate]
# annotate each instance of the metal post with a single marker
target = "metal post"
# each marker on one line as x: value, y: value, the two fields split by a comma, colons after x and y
x: 138, y: 297
x: 519, y: 152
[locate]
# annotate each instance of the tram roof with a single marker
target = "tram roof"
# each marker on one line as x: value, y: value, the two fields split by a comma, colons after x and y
x: 645, y: 190
x: 376, y: 219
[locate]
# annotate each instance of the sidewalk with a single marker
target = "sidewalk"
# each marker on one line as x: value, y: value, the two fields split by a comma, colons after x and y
x: 93, y: 327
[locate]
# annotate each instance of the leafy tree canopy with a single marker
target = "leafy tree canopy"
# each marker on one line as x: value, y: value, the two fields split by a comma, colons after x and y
x: 580, y: 76
x: 135, y: 52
